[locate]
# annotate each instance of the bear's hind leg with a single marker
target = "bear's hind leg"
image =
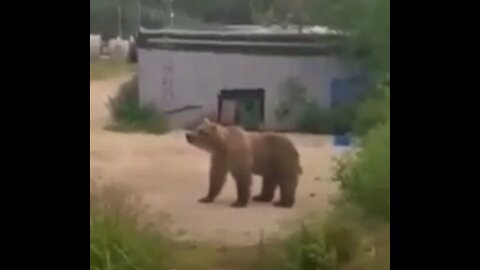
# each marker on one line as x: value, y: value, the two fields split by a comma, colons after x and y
x: 269, y: 185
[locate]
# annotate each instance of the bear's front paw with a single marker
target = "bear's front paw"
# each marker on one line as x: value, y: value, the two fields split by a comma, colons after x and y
x: 238, y: 204
x: 282, y: 204
x: 206, y: 200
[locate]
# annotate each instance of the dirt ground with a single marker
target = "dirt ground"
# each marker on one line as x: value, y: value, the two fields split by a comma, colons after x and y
x: 171, y: 176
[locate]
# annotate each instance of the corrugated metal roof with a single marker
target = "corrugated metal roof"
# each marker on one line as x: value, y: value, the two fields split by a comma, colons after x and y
x: 244, y: 29
x: 244, y: 39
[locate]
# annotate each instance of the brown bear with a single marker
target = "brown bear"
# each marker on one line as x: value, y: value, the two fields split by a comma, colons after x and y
x: 242, y: 153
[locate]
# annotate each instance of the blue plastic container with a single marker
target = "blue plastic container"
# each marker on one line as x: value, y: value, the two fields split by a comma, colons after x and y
x: 342, y: 140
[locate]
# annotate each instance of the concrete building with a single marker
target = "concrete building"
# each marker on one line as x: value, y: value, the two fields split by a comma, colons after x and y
x: 240, y: 74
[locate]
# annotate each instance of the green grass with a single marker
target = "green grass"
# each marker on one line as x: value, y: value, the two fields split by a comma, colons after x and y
x: 373, y: 111
x: 129, y: 116
x: 356, y: 234
x: 346, y: 240
x: 123, y: 236
x: 119, y: 238
x: 364, y: 176
x: 105, y: 69
x: 149, y: 122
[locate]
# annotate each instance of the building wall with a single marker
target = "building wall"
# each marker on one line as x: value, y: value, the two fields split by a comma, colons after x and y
x: 174, y: 79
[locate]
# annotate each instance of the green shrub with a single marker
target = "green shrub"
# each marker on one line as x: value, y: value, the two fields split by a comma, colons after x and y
x: 329, y: 244
x: 128, y: 115
x: 307, y: 250
x: 342, y: 119
x: 373, y: 111
x: 346, y: 240
x: 365, y: 175
x: 356, y: 234
x: 316, y: 119
x: 118, y: 240
x: 359, y: 116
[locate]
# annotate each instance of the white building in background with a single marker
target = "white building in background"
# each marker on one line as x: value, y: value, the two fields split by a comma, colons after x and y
x: 257, y: 72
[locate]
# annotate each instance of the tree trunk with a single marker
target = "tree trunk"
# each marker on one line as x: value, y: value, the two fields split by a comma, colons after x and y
x: 119, y: 8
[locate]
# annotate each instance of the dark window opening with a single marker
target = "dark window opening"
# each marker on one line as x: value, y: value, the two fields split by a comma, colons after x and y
x: 244, y: 107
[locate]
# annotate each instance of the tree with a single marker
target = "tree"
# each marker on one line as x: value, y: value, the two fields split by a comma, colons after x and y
x: 367, y: 23
x: 281, y: 12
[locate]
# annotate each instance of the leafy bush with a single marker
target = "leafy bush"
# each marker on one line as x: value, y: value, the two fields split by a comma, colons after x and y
x: 118, y: 240
x: 316, y: 119
x: 128, y: 115
x: 345, y: 240
x: 373, y: 111
x: 308, y: 250
x: 359, y: 116
x: 329, y: 244
x: 350, y: 239
x: 365, y: 176
x: 342, y: 119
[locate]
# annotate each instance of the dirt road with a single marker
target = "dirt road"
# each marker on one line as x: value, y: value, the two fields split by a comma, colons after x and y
x: 171, y: 176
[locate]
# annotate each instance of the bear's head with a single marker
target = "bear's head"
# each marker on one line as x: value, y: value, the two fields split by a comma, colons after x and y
x: 207, y: 136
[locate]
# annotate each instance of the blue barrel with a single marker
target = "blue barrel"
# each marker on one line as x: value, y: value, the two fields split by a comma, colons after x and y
x: 342, y: 140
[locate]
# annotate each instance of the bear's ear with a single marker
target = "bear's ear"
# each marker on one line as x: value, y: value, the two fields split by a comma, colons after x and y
x: 206, y: 121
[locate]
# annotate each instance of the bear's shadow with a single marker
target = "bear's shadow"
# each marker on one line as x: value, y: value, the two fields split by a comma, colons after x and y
x: 225, y: 202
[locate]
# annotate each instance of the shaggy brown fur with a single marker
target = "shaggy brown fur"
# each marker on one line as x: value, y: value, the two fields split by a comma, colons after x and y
x: 242, y: 153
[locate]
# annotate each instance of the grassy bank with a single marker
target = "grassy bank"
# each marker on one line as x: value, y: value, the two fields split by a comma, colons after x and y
x: 129, y: 116
x: 124, y: 236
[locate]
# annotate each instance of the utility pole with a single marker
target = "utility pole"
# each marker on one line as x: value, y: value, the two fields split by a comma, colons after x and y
x: 139, y: 14
x: 171, y: 14
x: 119, y: 9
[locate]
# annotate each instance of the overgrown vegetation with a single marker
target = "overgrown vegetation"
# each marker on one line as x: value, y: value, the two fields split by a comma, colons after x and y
x: 125, y: 236
x: 373, y: 111
x: 356, y: 235
x: 347, y: 240
x: 358, y: 117
x: 365, y: 176
x: 118, y: 239
x: 105, y: 69
x: 368, y: 25
x: 129, y: 116
x: 316, y: 119
x: 112, y: 18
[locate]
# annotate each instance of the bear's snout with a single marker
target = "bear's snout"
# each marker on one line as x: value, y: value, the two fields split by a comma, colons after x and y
x: 189, y: 138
